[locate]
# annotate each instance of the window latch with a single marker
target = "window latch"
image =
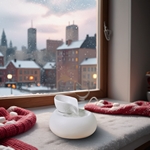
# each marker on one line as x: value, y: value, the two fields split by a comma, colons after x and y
x: 107, y: 32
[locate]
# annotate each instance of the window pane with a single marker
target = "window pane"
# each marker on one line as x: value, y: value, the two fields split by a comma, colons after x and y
x: 50, y: 50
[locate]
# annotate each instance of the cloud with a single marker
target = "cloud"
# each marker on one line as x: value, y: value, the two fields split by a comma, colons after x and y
x: 59, y: 12
x: 48, y: 28
x: 59, y: 7
x: 13, y: 20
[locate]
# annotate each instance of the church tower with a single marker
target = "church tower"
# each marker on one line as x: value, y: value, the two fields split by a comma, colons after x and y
x: 3, y: 39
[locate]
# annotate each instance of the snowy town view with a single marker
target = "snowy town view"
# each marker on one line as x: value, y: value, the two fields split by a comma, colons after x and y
x: 53, y: 50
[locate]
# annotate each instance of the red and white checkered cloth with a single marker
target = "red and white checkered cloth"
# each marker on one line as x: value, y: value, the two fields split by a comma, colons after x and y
x: 24, y: 120
x: 106, y: 107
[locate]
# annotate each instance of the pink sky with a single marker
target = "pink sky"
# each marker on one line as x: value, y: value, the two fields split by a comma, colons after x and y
x: 16, y: 20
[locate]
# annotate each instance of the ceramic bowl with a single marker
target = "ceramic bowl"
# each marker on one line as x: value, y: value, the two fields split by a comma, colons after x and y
x: 73, y: 127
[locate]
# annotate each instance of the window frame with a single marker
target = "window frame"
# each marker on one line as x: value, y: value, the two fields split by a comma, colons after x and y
x: 37, y: 100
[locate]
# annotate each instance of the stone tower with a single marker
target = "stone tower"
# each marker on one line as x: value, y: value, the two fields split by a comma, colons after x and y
x: 72, y: 32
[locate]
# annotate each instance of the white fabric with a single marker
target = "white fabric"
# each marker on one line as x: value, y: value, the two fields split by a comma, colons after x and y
x: 113, y: 133
x: 5, y: 148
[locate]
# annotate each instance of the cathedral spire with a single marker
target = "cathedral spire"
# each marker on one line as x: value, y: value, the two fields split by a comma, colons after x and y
x: 3, y: 39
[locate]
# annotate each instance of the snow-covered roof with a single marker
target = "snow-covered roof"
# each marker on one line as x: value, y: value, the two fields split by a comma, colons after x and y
x: 89, y: 61
x: 75, y: 44
x: 25, y: 64
x: 50, y: 65
x: 1, y: 54
x: 2, y: 67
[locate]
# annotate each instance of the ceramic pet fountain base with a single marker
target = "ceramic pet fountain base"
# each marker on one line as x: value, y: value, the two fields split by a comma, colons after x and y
x: 70, y: 122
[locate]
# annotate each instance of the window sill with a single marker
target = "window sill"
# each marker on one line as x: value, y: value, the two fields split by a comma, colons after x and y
x: 113, y: 132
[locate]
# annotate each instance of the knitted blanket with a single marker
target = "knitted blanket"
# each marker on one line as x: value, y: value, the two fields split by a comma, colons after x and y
x: 14, y: 121
x: 106, y: 107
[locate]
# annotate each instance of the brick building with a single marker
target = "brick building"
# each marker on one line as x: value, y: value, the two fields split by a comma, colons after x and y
x: 69, y: 57
x: 3, y: 78
x: 1, y: 59
x: 2, y: 70
x: 51, y: 47
x: 23, y: 72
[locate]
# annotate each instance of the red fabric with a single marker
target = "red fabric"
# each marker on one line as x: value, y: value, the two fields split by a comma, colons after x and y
x: 25, y: 120
x: 17, y: 145
x: 135, y: 108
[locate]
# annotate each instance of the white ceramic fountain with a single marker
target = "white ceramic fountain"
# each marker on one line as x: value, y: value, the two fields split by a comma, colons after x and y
x: 69, y: 121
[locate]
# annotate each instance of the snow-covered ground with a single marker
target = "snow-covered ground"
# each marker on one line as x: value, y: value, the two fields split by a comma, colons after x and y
x: 35, y: 88
x: 4, y: 91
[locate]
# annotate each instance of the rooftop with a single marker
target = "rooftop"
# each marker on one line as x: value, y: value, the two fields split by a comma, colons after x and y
x: 89, y: 61
x: 1, y: 54
x: 75, y: 44
x: 50, y: 65
x: 25, y: 64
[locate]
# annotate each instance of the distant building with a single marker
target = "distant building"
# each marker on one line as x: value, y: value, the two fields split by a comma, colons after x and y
x: 21, y: 55
x: 23, y: 72
x: 2, y: 76
x: 3, y: 39
x: 50, y: 74
x: 2, y: 71
x: 32, y: 40
x: 10, y: 53
x: 69, y: 58
x: 89, y: 42
x: 3, y: 50
x: 23, y: 48
x: 72, y: 33
x: 88, y: 73
x: 51, y: 46
x: 1, y: 60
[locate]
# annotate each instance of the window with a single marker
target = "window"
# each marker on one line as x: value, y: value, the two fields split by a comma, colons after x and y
x: 20, y: 78
x: 76, y: 66
x: 20, y: 71
x: 47, y: 99
x: 84, y: 69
